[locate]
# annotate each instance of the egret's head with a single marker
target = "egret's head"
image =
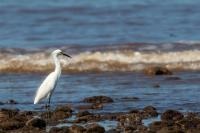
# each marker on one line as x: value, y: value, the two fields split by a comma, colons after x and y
x: 59, y: 52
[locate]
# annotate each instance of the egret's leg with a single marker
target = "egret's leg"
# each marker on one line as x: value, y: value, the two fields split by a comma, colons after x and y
x: 49, y: 99
x: 48, y: 106
x: 49, y: 102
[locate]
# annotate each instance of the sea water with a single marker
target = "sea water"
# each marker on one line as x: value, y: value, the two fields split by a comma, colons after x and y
x: 111, y: 44
x: 37, y: 23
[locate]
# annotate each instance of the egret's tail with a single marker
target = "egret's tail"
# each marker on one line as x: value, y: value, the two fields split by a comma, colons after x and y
x: 36, y: 100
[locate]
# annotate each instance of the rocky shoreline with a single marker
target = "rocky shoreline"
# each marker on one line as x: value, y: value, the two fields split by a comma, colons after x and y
x: 84, y: 121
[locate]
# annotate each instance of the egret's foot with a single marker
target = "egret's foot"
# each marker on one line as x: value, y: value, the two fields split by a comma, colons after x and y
x: 48, y: 115
x: 48, y: 110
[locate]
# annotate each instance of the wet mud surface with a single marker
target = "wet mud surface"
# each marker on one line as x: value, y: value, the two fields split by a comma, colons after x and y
x: 70, y: 119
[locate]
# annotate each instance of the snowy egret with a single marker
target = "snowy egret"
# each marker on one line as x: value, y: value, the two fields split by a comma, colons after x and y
x: 48, y: 85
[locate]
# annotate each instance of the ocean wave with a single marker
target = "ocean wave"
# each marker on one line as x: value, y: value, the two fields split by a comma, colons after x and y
x: 101, y: 61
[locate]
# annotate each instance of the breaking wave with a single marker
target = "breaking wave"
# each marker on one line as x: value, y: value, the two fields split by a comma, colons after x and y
x: 101, y: 61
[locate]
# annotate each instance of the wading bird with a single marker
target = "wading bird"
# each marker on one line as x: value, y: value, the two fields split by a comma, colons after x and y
x: 48, y: 85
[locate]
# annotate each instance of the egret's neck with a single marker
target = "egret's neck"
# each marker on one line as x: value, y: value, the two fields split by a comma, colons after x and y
x: 57, y: 65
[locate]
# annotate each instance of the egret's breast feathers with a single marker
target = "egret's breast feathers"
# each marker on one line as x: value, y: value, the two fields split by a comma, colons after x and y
x: 46, y: 87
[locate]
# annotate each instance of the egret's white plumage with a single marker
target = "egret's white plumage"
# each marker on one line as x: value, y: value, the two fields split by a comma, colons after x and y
x: 47, y: 87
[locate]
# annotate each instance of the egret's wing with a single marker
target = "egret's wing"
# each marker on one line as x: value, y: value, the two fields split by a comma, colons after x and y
x: 46, y: 87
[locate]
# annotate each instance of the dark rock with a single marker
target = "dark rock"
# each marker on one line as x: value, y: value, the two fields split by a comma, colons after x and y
x: 198, y: 126
x: 150, y: 111
x: 7, y: 113
x: 189, y: 122
x: 98, y: 99
x: 172, y: 115
x: 157, y: 125
x: 19, y: 118
x: 173, y: 78
x: 157, y: 71
x: 112, y: 131
x: 135, y: 129
x: 1, y: 131
x: 77, y: 129
x: 129, y: 122
x: 11, y: 101
x: 110, y: 116
x: 29, y: 130
x: 27, y: 114
x: 193, y: 131
x: 23, y: 116
x: 36, y: 122
x: 95, y: 128
x: 88, y: 118
x: 3, y: 116
x: 13, y: 119
x: 169, y: 130
x: 61, y: 112
x: 91, y: 106
x: 60, y: 130
x: 186, y: 124
x: 142, y: 128
x: 46, y: 115
x: 1, y: 103
x: 191, y: 115
x: 156, y: 86
x: 60, y: 115
x: 130, y: 98
x: 97, y: 106
x: 83, y: 113
x: 130, y: 128
x: 11, y: 125
x: 134, y: 111
x: 84, y: 107
x: 63, y: 109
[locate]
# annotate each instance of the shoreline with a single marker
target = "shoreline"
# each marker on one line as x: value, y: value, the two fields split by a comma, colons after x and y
x: 124, y: 110
x: 82, y: 120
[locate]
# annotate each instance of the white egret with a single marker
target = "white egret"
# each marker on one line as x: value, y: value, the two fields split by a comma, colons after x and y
x: 48, y: 85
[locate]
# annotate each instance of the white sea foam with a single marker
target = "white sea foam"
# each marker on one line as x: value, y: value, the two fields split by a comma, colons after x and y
x: 125, y: 60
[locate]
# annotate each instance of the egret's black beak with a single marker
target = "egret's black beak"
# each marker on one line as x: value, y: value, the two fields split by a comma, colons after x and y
x: 66, y: 55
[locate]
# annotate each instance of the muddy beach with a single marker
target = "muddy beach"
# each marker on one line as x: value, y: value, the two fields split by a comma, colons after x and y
x: 81, y: 119
x: 158, y: 106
